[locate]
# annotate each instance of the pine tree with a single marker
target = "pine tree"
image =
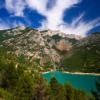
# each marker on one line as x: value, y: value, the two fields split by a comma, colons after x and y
x: 57, y: 90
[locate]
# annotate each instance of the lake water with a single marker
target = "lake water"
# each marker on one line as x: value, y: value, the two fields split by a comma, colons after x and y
x: 83, y: 82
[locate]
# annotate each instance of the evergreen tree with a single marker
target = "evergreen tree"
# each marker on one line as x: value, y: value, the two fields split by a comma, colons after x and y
x: 9, y: 77
x: 57, y: 90
x: 24, y: 87
x: 69, y: 92
x: 41, y: 89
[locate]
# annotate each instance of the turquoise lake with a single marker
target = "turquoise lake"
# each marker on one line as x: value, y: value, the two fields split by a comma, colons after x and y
x: 83, y: 82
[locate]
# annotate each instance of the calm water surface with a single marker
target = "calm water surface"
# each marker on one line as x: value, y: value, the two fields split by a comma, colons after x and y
x: 83, y: 82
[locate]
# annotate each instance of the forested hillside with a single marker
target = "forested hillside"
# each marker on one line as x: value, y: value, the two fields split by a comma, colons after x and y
x: 85, y: 55
x: 20, y: 81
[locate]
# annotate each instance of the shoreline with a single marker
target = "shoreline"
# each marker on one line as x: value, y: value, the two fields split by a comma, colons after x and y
x: 74, y: 73
x: 81, y: 73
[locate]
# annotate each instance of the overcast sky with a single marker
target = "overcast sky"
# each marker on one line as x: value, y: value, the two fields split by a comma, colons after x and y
x: 70, y: 16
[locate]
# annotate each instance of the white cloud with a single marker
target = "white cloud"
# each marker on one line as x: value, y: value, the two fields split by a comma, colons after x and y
x: 54, y: 16
x: 15, y: 6
x: 38, y: 5
x: 79, y: 26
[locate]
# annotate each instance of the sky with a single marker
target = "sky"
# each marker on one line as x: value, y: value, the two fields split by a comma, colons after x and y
x: 80, y: 17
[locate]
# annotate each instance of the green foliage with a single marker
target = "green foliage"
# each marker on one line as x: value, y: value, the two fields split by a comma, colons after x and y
x: 97, y: 92
x: 21, y: 59
x: 22, y: 82
x: 69, y: 92
x: 66, y: 92
x: 57, y: 90
x: 8, y: 76
x: 24, y: 88
x: 56, y: 37
x: 84, y: 58
x: 5, y: 95
x: 74, y: 94
x: 41, y: 89
x: 4, y: 36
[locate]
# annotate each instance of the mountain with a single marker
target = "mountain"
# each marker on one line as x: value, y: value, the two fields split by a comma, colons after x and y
x: 85, y: 55
x: 54, y: 48
x: 45, y: 45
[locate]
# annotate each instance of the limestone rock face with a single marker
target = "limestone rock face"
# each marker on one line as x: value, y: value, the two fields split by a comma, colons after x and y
x: 63, y: 45
x: 46, y: 46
